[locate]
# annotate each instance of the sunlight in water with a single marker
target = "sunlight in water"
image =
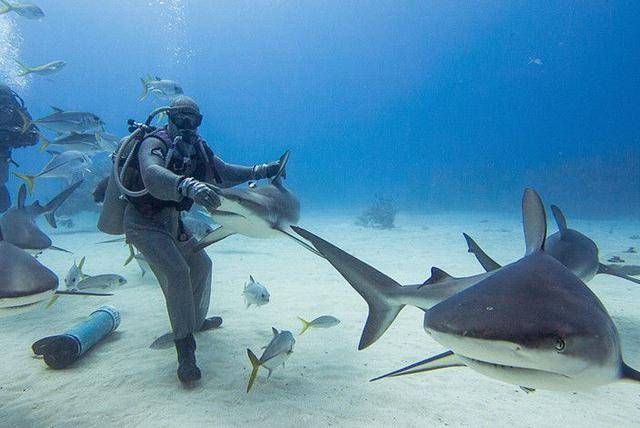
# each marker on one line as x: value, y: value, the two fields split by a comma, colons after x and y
x: 10, y: 44
x: 173, y: 19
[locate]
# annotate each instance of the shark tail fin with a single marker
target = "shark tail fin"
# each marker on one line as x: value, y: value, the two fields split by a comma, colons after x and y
x: 305, y: 325
x: 51, y: 207
x: 255, y: 364
x: 376, y: 288
x: 51, y: 219
x: 145, y: 88
x: 613, y: 270
x: 28, y: 179
x: 630, y: 374
x: 24, y: 70
x: 487, y: 262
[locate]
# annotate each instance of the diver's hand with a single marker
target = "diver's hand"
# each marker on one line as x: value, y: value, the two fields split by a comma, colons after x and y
x: 267, y: 170
x: 201, y: 194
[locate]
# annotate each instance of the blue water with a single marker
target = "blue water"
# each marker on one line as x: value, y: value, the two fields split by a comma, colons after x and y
x: 434, y: 104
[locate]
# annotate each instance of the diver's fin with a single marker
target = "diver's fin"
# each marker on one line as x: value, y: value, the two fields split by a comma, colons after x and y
x: 561, y: 221
x: 440, y: 361
x: 28, y: 180
x: 212, y: 237
x: 53, y: 247
x: 255, y: 365
x: 487, y: 262
x: 374, y: 286
x: 50, y: 208
x: 534, y: 221
x: 301, y: 242
x: 282, y: 171
x: 305, y: 325
x: 613, y: 270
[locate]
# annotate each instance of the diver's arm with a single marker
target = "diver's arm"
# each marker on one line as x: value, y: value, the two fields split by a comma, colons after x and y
x: 161, y: 183
x: 231, y: 174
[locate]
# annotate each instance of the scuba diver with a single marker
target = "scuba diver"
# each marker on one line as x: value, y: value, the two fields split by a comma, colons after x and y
x: 12, y: 135
x: 165, y: 172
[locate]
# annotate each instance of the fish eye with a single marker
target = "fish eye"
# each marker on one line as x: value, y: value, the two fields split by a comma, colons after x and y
x: 560, y: 345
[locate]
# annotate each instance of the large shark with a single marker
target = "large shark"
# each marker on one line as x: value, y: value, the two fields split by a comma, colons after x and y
x: 19, y: 224
x: 573, y: 249
x: 385, y: 296
x: 532, y: 323
x: 266, y: 211
x: 25, y: 283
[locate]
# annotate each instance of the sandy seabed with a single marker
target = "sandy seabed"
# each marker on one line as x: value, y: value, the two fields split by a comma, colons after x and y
x: 121, y: 382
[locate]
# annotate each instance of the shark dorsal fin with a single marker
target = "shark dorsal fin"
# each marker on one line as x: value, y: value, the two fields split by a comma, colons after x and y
x: 560, y: 219
x: 437, y: 275
x: 283, y: 164
x: 57, y: 109
x: 534, y: 221
x: 275, y: 331
x: 22, y: 196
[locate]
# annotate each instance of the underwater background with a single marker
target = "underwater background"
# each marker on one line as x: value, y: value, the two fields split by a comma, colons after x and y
x: 440, y: 106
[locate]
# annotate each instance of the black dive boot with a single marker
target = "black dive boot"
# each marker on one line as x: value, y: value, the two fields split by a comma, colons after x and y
x: 188, y: 372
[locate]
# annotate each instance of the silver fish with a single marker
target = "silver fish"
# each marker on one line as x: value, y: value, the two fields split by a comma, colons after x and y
x: 255, y: 293
x: 106, y: 280
x: 42, y: 70
x: 275, y: 354
x: 160, y: 88
x: 74, y: 275
x: 82, y: 142
x: 324, y: 321
x: 26, y: 10
x: 70, y: 165
x: 63, y: 122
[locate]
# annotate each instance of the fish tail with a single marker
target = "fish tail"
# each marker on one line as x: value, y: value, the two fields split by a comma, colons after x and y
x: 145, y: 88
x: 305, y: 325
x: 24, y: 70
x: 254, y: 372
x: 28, y: 179
x: 45, y: 142
x: 5, y: 7
x: 132, y: 255
x: 26, y: 122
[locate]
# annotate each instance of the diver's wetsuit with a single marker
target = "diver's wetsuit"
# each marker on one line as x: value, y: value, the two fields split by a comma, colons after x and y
x: 152, y: 224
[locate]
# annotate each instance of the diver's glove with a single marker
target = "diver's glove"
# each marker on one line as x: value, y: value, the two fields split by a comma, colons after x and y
x: 201, y: 194
x: 266, y: 170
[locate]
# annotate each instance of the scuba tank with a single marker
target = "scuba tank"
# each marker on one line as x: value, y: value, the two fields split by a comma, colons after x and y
x: 111, y: 220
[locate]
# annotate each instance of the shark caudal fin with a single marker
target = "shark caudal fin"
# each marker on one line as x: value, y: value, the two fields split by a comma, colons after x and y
x: 212, y: 237
x: 24, y: 70
x: 614, y: 271
x: 534, y: 221
x: 28, y: 179
x: 375, y: 287
x: 487, y: 262
x: 255, y: 365
x: 50, y: 208
x: 305, y: 325
x: 561, y: 221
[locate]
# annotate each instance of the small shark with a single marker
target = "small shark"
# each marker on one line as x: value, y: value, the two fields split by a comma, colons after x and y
x: 533, y: 324
x: 25, y: 283
x: 573, y: 249
x: 275, y: 354
x: 257, y: 212
x: 19, y: 225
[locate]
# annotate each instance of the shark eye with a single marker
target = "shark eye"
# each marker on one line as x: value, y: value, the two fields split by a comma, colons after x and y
x: 560, y: 345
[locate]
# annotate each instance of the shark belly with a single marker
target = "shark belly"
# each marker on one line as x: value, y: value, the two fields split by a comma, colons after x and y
x: 17, y: 305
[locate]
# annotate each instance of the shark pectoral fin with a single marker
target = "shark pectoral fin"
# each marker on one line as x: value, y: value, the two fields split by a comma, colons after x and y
x: 81, y: 293
x: 630, y: 374
x: 51, y: 219
x: 613, y: 270
x: 212, y: 237
x: 376, y: 288
x: 440, y: 361
x: 301, y: 242
x: 53, y: 247
x: 487, y: 262
x: 163, y: 342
